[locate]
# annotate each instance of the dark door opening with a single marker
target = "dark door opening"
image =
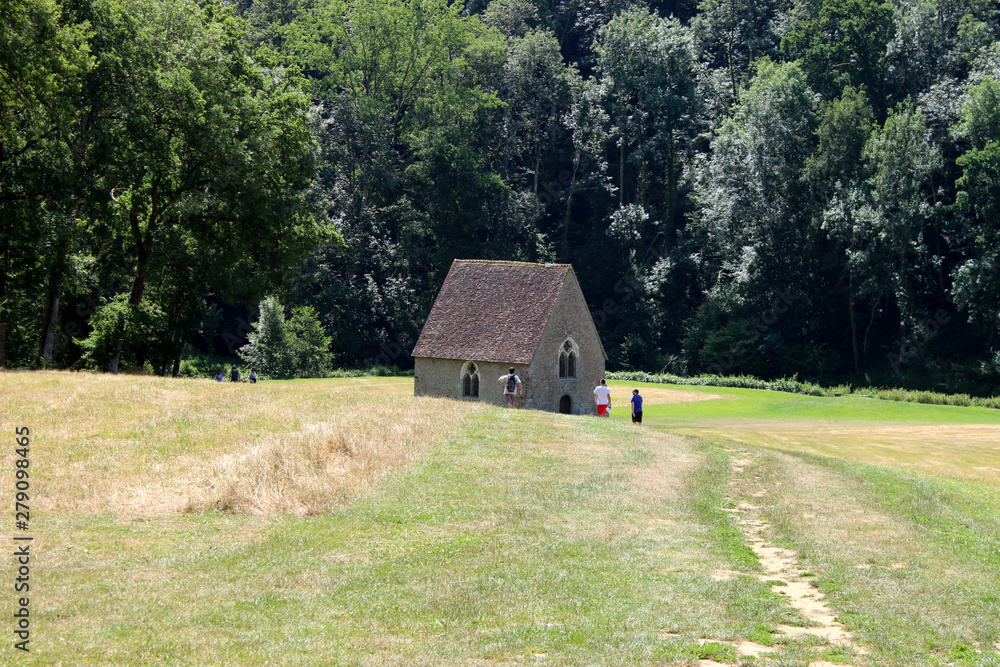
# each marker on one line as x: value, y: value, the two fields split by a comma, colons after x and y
x: 564, y: 405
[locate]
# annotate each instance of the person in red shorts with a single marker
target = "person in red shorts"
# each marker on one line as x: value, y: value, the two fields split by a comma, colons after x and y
x: 602, y: 398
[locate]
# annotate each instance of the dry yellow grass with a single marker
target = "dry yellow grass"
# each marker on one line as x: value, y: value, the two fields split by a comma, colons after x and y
x: 958, y: 450
x: 657, y: 395
x: 152, y: 446
x: 320, y: 466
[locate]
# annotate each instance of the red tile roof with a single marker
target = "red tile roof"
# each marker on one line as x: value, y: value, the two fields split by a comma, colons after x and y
x: 491, y: 311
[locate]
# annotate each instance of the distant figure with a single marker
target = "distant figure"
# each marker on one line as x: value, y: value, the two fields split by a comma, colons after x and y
x: 636, y: 407
x: 234, y: 375
x: 221, y: 376
x: 253, y: 376
x: 602, y: 398
x: 510, y: 382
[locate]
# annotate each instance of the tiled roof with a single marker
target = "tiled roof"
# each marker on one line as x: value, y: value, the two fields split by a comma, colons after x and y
x: 491, y: 311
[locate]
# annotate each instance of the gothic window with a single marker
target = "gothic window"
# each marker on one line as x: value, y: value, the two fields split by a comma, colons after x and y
x: 567, y: 360
x: 470, y: 381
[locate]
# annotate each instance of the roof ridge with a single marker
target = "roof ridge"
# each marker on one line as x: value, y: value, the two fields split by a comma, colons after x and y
x: 511, y: 262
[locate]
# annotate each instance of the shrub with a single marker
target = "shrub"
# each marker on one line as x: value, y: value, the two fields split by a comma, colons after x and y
x: 298, y: 347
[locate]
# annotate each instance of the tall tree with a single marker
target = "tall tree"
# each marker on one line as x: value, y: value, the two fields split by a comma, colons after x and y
x: 201, y: 140
x: 845, y: 44
x: 977, y: 280
x: 44, y: 57
x: 836, y: 173
x: 732, y: 34
x: 645, y: 64
x: 754, y: 215
x: 897, y: 253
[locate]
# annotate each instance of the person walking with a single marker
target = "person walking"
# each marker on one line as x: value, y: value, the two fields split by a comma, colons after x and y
x: 636, y: 407
x: 602, y: 399
x: 511, y: 382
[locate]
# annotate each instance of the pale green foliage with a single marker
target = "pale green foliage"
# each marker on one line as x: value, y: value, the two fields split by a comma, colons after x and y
x: 977, y: 280
x: 751, y: 184
x: 538, y: 89
x: 42, y: 61
x: 140, y: 323
x: 903, y: 162
x: 732, y: 34
x: 398, y: 59
x: 512, y: 18
x: 646, y: 68
x: 283, y: 348
x: 270, y: 348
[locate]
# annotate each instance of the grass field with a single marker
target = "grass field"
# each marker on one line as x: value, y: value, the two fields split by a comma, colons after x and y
x: 345, y: 522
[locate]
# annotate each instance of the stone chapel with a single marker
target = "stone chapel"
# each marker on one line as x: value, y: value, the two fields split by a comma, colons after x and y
x: 493, y: 315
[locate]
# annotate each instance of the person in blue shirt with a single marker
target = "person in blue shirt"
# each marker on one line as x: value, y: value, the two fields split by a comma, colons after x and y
x: 636, y: 407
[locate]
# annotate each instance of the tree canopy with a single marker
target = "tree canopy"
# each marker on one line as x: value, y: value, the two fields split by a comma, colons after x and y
x: 776, y: 188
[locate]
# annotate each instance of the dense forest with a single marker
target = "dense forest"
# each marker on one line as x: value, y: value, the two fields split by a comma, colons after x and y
x: 775, y: 187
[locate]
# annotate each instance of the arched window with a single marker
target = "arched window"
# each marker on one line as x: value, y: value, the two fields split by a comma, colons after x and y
x: 567, y: 359
x: 470, y: 381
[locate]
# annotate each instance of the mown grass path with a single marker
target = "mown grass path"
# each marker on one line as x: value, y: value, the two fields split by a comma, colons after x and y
x: 892, y: 511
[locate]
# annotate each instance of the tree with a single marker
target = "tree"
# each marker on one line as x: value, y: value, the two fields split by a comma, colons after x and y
x: 836, y: 172
x: 201, y: 140
x: 732, y: 34
x: 895, y: 253
x: 750, y: 191
x: 936, y: 39
x: 645, y: 64
x: 309, y: 343
x: 845, y: 45
x: 270, y: 348
x: 977, y: 279
x: 537, y: 89
x: 280, y: 348
x: 754, y: 217
x: 44, y: 57
x: 405, y: 91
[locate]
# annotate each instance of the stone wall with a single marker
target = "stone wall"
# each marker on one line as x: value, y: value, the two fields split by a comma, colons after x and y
x: 570, y: 319
x: 443, y: 377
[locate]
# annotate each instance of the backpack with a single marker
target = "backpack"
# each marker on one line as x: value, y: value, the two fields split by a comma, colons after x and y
x: 511, y: 383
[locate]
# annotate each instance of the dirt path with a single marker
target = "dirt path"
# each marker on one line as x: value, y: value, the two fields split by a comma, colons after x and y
x: 782, y: 572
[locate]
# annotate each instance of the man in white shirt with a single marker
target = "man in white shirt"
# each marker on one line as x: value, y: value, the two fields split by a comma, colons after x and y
x: 602, y: 398
x: 509, y: 382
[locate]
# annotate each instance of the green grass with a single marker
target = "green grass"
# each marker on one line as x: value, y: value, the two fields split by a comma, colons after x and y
x: 909, y: 561
x: 760, y: 404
